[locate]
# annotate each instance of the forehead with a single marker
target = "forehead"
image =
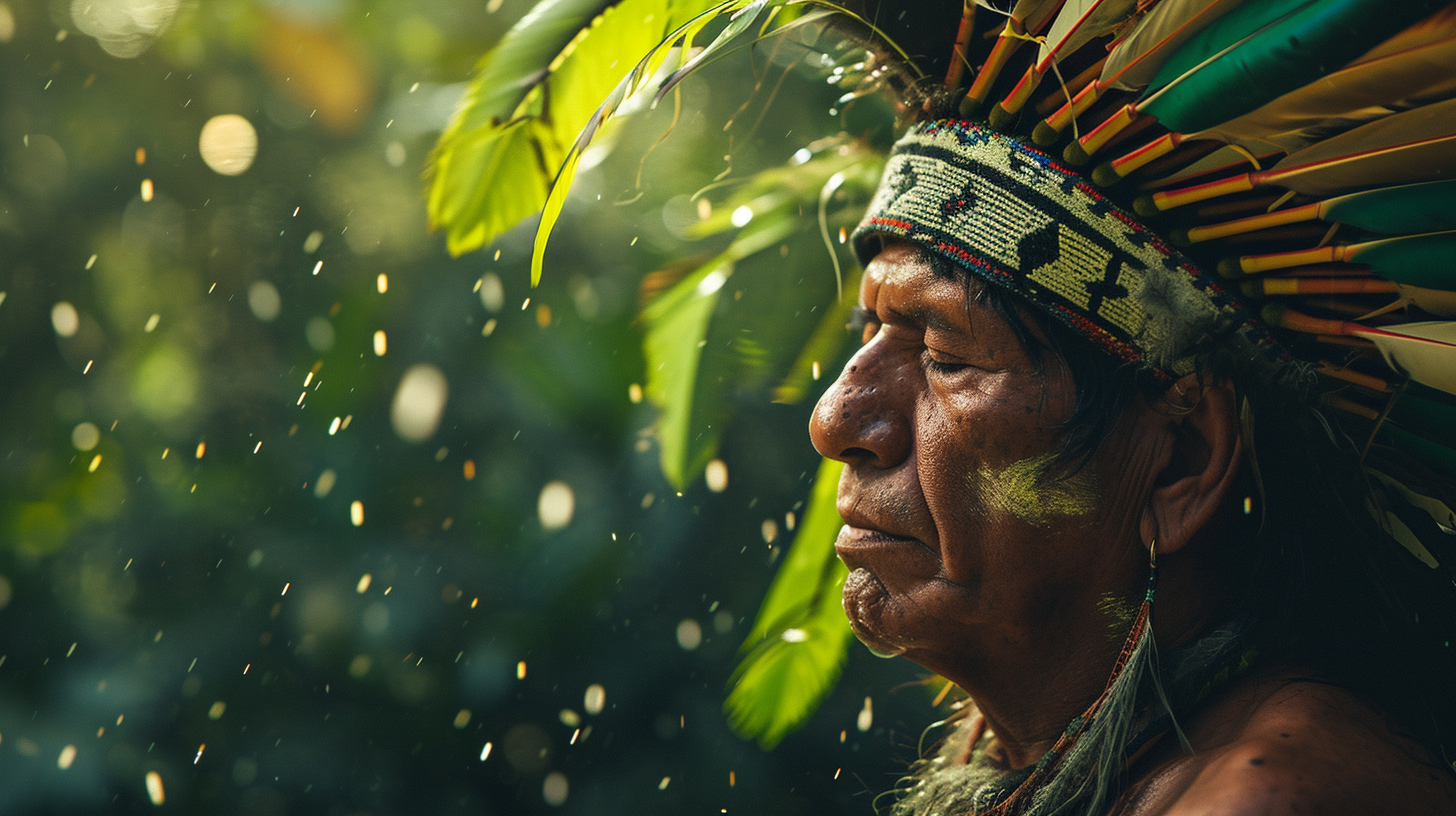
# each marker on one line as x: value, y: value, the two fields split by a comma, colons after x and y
x: 907, y: 279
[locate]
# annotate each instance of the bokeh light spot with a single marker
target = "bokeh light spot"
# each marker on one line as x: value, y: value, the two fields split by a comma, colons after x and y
x: 419, y: 402
x: 85, y: 436
x: 228, y: 143
x: 264, y: 300
x: 65, y: 319
x: 556, y: 505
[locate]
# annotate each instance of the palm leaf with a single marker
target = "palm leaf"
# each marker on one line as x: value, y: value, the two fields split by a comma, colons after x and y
x: 798, y: 643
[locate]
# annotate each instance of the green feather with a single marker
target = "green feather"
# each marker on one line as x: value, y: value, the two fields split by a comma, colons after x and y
x: 1288, y: 53
x: 1221, y: 34
x: 1434, y: 419
x: 1415, y: 260
x: 1403, y: 210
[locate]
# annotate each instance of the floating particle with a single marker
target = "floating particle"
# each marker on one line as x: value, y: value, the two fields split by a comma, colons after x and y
x: 843, y: 235
x: 741, y: 216
x: 555, y: 789
x: 286, y: 585
x: 382, y: 283
x: 87, y: 369
x: 663, y: 784
x: 723, y: 621
x: 201, y: 448
x: 381, y: 343
x: 634, y: 393
x: 595, y: 699
x: 769, y: 530
x: 228, y: 144
x: 866, y: 717
x: 419, y: 402
x: 259, y: 446
x: 65, y: 319
x: 648, y: 499
x: 569, y: 718
x: 790, y: 520
x: 732, y: 780
x: 200, y: 749
x: 68, y: 755
x: 716, y: 476
x: 152, y: 323
x: 794, y: 635
x: 91, y: 261
x: 154, y: 788
x: 469, y: 469
x: 689, y: 634
x: 216, y: 712
x: 325, y: 483
x: 521, y: 670
x: 489, y: 328
x: 705, y: 209
x: 556, y: 505
x: 312, y: 242
x: 485, y: 752
x: 356, y: 513
x: 85, y: 436
x: 814, y: 369
x: 71, y: 650
x: 147, y: 190
x: 363, y: 585
x: 462, y: 718
x: 141, y: 156
x: 317, y: 267
x: 334, y: 426
x: 344, y: 426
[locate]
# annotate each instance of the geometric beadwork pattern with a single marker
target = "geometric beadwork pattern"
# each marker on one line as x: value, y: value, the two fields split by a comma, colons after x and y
x: 1008, y: 213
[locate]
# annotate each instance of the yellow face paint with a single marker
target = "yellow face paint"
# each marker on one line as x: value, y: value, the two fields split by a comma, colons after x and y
x: 1022, y: 490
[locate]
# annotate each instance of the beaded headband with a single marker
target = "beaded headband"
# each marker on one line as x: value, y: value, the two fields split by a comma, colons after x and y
x: 1012, y: 216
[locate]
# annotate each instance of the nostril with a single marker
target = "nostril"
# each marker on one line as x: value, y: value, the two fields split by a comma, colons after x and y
x: 856, y: 455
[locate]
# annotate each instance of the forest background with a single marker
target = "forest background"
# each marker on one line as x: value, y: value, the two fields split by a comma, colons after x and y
x: 301, y: 514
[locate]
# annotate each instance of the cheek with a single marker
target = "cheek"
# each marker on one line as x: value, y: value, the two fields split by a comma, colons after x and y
x: 1023, y: 491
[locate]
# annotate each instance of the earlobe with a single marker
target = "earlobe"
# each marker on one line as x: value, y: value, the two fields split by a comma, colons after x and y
x: 1202, y: 462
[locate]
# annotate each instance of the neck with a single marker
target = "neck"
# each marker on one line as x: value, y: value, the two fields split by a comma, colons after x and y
x: 1029, y: 693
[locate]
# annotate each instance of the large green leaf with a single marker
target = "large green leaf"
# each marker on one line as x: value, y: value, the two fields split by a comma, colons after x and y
x: 797, y: 646
x: 677, y: 325
x: 554, y: 68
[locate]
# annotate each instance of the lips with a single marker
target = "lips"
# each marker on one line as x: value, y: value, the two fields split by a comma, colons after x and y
x: 861, y: 546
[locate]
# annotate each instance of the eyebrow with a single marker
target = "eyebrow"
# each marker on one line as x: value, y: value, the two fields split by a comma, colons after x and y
x: 929, y: 318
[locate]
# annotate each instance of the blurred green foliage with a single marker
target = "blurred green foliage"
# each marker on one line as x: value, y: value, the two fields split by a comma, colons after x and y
x: 195, y: 404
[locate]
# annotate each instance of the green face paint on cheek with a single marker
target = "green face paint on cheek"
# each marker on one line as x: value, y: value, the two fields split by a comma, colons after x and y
x: 1022, y: 490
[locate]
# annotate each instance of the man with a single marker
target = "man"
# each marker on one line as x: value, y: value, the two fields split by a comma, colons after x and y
x: 1181, y: 558
x: 970, y: 557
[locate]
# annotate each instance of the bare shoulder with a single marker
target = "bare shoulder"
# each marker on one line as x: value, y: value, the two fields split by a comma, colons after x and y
x: 1296, y: 747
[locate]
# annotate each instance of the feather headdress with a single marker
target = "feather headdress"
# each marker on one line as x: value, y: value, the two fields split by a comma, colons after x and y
x: 1298, y: 156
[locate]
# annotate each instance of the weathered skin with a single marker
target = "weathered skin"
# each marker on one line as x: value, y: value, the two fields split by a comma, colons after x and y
x: 963, y: 561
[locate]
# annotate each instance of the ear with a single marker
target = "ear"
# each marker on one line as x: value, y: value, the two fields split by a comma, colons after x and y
x: 1202, y: 461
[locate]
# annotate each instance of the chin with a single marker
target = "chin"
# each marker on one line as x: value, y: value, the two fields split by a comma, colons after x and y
x: 865, y: 605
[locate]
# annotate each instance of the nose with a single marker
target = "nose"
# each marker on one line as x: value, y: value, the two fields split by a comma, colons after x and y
x: 860, y: 420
